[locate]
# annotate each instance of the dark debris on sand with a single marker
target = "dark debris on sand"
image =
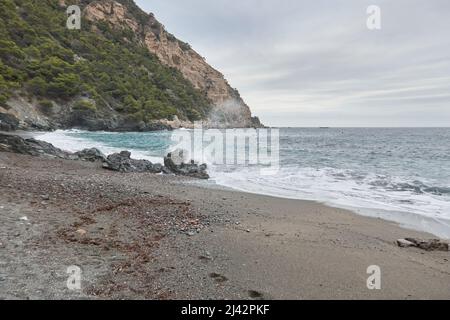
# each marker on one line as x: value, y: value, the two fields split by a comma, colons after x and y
x: 100, y: 222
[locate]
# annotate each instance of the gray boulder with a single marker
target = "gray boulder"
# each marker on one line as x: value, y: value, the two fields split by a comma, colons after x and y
x: 33, y: 147
x: 91, y: 155
x: 428, y: 245
x: 402, y: 243
x: 122, y: 162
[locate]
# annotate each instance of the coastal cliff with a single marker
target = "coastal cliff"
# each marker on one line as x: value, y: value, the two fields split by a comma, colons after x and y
x: 121, y: 72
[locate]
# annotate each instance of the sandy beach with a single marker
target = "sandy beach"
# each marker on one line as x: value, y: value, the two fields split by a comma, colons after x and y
x: 266, y: 151
x: 147, y: 236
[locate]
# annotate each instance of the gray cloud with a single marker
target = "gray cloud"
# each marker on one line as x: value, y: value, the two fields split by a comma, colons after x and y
x: 305, y: 63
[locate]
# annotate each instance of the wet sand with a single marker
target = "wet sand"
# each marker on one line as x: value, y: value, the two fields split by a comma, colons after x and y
x: 144, y: 236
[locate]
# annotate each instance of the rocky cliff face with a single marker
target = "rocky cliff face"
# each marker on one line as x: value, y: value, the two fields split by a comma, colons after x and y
x: 121, y: 72
x: 229, y: 109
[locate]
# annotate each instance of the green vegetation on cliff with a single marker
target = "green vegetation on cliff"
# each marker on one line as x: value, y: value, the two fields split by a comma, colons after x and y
x: 40, y: 57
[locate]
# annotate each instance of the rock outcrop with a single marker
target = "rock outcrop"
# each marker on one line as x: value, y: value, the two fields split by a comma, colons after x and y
x: 33, y: 147
x: 121, y: 162
x: 23, y: 114
x: 91, y: 155
x: 8, y: 122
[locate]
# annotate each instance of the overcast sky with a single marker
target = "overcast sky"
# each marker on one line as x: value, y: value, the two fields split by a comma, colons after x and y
x: 315, y: 63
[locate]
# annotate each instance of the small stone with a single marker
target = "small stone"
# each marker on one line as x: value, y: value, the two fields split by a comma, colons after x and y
x: 81, y: 232
x: 205, y: 258
x: 45, y: 197
x: 191, y: 233
x: 402, y: 243
x: 248, y: 230
x: 24, y: 218
x: 429, y: 245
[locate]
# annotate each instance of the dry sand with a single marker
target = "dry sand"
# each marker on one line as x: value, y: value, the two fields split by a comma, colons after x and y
x: 143, y: 236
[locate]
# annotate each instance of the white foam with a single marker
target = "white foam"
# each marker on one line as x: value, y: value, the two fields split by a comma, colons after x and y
x: 425, y: 212
x: 65, y: 140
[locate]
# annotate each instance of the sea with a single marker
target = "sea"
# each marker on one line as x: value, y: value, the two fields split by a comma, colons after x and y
x: 397, y: 174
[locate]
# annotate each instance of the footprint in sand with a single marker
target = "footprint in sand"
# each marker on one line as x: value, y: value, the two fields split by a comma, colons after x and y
x: 218, y: 277
x: 255, y: 295
x: 205, y: 259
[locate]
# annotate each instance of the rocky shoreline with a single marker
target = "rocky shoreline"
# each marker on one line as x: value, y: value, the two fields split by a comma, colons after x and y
x: 121, y: 162
x: 34, y: 120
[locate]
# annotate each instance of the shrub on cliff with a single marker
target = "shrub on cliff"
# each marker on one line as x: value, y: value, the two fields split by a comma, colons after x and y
x: 84, y: 105
x: 46, y: 106
x: 37, y: 86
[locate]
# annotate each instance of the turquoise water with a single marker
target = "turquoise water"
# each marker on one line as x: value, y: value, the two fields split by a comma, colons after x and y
x: 401, y: 175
